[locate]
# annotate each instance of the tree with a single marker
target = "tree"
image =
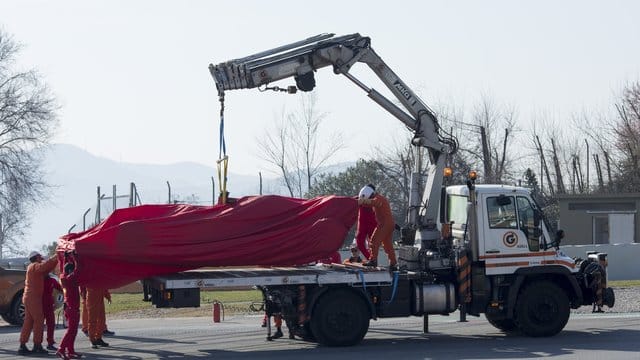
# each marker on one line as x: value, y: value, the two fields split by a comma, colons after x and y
x: 294, y: 146
x: 548, y: 204
x: 627, y: 139
x: 617, y: 138
x: 50, y: 248
x: 27, y: 121
x: 350, y: 181
x: 488, y: 138
x: 494, y: 150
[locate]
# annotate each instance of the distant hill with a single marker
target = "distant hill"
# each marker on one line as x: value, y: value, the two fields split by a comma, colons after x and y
x: 75, y: 175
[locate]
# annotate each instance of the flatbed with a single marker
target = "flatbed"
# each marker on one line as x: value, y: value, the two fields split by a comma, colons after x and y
x: 221, y: 278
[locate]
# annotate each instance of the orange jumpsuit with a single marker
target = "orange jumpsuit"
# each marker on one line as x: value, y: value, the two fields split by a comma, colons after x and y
x: 95, y: 309
x: 383, y: 232
x: 32, y: 299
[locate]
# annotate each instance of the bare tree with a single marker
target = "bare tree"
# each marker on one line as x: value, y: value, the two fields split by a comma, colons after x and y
x: 627, y: 139
x: 543, y: 165
x: 496, y: 125
x: 295, y: 146
x: 313, y: 155
x: 275, y: 148
x: 397, y: 162
x: 27, y: 122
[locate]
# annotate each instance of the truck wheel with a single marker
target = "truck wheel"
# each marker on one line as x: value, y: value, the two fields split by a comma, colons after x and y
x: 542, y: 309
x: 506, y: 325
x: 340, y: 318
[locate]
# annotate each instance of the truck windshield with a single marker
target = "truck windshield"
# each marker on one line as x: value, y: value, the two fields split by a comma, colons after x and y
x: 457, y: 209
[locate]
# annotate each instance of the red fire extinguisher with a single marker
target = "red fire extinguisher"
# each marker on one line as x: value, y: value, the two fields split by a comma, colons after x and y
x: 217, y: 308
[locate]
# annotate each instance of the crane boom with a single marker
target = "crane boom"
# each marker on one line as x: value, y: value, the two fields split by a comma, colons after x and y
x: 302, y: 58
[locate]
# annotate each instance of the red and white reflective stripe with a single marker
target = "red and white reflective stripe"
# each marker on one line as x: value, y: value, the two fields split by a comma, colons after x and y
x: 518, y: 255
x: 523, y: 259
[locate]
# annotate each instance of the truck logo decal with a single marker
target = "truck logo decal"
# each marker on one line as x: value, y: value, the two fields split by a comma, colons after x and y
x: 404, y: 91
x: 510, y: 239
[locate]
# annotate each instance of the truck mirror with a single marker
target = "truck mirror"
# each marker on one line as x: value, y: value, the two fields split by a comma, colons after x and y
x: 558, y: 239
x: 537, y: 232
x: 503, y: 200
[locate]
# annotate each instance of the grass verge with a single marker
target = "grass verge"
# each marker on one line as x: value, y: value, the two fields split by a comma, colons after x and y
x: 624, y: 283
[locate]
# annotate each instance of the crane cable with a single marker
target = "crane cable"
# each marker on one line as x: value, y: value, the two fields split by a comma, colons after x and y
x: 223, y: 159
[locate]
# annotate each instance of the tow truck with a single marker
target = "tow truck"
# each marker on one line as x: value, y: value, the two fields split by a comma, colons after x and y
x: 472, y: 248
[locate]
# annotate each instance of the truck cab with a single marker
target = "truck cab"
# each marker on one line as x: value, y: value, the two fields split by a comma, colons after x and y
x: 511, y: 231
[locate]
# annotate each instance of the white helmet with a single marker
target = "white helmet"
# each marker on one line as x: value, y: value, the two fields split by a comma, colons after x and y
x: 34, y: 254
x: 366, y: 192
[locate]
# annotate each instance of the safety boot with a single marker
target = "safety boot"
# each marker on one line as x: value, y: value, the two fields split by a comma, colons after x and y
x: 278, y: 334
x: 39, y: 350
x: 23, y: 350
x: 101, y: 342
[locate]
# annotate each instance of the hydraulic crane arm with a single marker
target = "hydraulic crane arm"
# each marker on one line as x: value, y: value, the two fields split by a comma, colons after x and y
x: 300, y: 59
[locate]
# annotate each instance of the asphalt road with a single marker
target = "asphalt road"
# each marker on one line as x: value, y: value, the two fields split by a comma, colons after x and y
x: 592, y: 336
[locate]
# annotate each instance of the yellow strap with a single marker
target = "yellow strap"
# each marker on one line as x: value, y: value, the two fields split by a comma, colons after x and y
x: 222, y: 177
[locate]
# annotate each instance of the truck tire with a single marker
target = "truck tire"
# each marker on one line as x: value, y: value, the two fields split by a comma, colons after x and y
x: 340, y: 318
x: 542, y: 309
x: 505, y: 325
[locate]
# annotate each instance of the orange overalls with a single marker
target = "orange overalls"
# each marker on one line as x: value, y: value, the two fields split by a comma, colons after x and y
x: 383, y: 232
x: 32, y: 300
x: 95, y: 309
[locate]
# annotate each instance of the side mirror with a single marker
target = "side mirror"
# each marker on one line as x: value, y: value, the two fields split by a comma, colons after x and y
x: 558, y: 239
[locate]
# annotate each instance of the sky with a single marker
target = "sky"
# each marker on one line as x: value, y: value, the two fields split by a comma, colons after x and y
x: 133, y: 84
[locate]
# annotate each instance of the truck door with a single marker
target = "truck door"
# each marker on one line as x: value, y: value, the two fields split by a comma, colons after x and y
x: 510, y: 240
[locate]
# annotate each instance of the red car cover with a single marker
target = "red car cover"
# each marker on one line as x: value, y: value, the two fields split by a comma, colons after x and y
x: 137, y: 242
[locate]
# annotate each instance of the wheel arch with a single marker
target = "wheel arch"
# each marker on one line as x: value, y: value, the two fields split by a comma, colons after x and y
x: 557, y: 274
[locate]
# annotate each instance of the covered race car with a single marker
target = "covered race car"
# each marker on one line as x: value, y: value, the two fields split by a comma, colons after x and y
x: 138, y: 242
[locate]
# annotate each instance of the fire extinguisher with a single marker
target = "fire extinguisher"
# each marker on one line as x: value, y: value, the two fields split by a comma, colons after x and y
x: 217, y: 308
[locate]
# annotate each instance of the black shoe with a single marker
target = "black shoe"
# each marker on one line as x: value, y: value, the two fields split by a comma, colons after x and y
x: 371, y: 263
x: 23, y: 350
x: 102, y: 343
x: 52, y: 347
x: 264, y: 324
x: 39, y: 350
x: 107, y: 332
x: 278, y: 334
